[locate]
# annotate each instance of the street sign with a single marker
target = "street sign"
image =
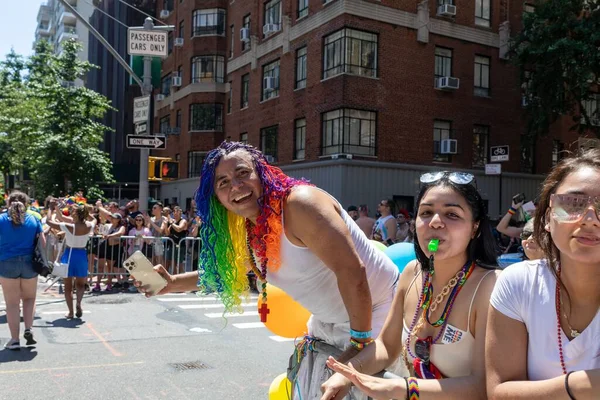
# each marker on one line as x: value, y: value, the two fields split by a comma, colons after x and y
x: 141, y: 128
x: 141, y: 109
x: 499, y: 153
x: 493, y: 169
x: 146, y: 142
x: 147, y: 43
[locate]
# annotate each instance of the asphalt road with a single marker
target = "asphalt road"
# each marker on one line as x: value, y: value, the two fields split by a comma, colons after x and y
x: 127, y: 346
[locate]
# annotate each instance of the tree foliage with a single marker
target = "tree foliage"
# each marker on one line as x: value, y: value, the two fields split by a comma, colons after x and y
x: 558, y: 54
x: 52, y: 125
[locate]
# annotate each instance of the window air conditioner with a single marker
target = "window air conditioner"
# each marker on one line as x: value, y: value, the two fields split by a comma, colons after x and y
x: 245, y: 35
x: 446, y: 10
x: 178, y: 42
x: 160, y: 97
x: 165, y: 13
x: 270, y: 159
x: 448, y: 146
x: 270, y: 83
x: 176, y: 81
x: 270, y: 28
x: 447, y: 83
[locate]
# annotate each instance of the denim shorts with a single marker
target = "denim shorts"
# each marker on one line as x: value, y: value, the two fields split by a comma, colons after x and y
x: 17, y: 267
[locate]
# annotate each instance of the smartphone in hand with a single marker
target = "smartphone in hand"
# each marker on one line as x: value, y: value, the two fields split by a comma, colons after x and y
x: 143, y: 271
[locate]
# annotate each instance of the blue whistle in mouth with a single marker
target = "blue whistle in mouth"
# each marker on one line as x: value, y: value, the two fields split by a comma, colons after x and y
x: 433, y: 245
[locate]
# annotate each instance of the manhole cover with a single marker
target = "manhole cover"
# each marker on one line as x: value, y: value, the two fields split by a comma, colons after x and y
x: 186, y: 366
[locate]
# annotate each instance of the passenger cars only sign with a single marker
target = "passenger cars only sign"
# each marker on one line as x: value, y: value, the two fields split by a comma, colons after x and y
x: 147, y: 43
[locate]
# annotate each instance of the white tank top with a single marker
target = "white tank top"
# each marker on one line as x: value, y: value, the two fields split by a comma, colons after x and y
x: 74, y: 241
x: 311, y: 283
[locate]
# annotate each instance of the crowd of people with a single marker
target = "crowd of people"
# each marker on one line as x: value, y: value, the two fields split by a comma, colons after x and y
x: 452, y: 324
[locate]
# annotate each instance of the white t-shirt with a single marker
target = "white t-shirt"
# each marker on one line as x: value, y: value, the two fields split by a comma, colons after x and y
x: 526, y: 292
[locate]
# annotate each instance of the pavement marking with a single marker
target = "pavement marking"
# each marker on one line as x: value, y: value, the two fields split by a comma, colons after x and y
x: 230, y: 315
x: 249, y: 325
x: 281, y: 339
x: 61, y: 312
x: 203, y: 306
x: 19, y: 371
x: 104, y: 341
x: 200, y: 330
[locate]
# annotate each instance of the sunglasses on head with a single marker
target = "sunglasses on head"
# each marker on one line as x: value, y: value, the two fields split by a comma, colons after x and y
x: 459, y: 178
x: 572, y: 207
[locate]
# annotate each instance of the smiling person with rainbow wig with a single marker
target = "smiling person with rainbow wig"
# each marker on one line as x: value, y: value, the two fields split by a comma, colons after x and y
x: 302, y: 241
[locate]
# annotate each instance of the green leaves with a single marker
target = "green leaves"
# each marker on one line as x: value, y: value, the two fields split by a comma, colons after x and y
x: 52, y: 125
x: 558, y: 53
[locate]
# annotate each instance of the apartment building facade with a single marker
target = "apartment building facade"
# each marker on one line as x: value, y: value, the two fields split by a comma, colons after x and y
x: 360, y: 96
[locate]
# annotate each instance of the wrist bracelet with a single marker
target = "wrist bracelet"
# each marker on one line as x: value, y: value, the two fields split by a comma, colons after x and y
x: 360, y: 335
x: 511, y: 211
x: 567, y: 386
x: 360, y: 345
x: 413, y: 388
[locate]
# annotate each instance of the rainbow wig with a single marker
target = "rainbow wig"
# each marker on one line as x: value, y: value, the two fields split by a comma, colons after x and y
x: 224, y: 256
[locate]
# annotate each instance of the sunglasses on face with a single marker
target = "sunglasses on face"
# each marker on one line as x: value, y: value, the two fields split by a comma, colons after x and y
x: 459, y: 178
x: 572, y: 207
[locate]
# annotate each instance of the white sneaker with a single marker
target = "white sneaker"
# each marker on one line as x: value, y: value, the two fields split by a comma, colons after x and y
x: 13, y: 345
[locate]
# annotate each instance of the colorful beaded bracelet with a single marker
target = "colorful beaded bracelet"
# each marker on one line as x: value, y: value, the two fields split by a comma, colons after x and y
x: 360, y: 345
x: 413, y: 388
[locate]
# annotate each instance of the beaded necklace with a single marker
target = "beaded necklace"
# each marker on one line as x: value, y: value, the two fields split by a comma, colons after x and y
x: 425, y: 304
x: 252, y: 241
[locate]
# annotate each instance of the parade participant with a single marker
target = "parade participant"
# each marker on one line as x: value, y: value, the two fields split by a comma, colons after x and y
x: 18, y: 233
x: 385, y: 227
x: 301, y: 241
x: 438, y: 319
x: 545, y: 314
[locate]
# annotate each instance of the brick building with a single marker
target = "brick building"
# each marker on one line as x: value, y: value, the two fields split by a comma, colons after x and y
x: 360, y: 96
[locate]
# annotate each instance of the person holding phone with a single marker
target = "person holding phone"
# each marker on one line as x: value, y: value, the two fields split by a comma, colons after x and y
x: 296, y: 237
x: 504, y: 226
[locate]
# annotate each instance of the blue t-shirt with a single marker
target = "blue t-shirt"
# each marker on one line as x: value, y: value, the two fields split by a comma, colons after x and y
x: 17, y: 240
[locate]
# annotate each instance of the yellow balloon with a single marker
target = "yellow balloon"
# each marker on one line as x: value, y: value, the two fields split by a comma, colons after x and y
x: 379, y: 245
x: 286, y: 318
x: 280, y: 387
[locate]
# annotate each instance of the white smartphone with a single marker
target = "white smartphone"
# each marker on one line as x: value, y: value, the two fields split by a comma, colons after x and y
x: 143, y: 271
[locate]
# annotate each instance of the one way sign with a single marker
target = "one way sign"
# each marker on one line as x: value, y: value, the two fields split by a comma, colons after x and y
x: 146, y: 142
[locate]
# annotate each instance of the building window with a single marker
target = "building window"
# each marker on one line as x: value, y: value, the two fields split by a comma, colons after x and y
x: 208, y: 69
x: 164, y: 124
x: 273, y: 14
x: 592, y: 109
x: 270, y: 85
x: 481, y: 136
x: 443, y: 62
x: 299, y: 139
x: 482, y: 76
x: 349, y: 131
x: 528, y: 8
x: 441, y: 130
x: 302, y: 8
x: 168, y: 5
x: 229, y: 98
x: 482, y: 12
x: 244, y: 137
x: 180, y: 72
x: 232, y: 40
x: 527, y: 154
x: 195, y: 161
x: 206, y: 117
x: 268, y: 141
x: 208, y: 22
x: 178, y: 119
x: 558, y: 148
x: 301, y: 68
x: 165, y: 85
x: 245, y: 90
x: 246, y: 25
x: 181, y: 30
x: 170, y: 42
x: 349, y: 51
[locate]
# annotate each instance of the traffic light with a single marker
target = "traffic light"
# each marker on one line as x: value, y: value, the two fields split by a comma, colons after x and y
x: 169, y: 170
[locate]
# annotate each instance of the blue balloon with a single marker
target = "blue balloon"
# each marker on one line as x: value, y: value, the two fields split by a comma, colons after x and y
x: 401, y: 254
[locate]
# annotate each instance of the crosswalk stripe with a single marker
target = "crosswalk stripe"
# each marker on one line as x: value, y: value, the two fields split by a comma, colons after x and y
x: 230, y: 315
x: 249, y: 325
x: 281, y: 339
x: 61, y: 312
x: 203, y: 306
x: 174, y: 300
